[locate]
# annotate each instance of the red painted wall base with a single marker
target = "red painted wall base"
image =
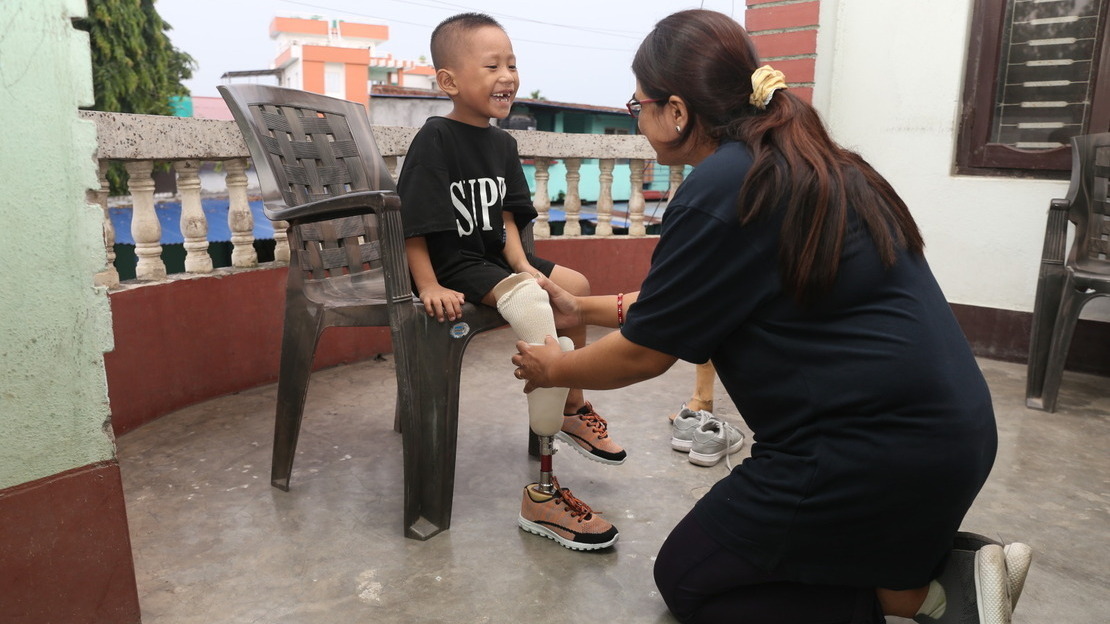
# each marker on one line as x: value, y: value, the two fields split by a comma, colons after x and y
x: 187, y: 341
x: 65, y: 553
x: 183, y: 342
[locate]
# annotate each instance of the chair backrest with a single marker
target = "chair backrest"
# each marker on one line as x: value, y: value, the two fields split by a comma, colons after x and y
x: 1087, y: 195
x: 308, y: 147
x: 315, y: 146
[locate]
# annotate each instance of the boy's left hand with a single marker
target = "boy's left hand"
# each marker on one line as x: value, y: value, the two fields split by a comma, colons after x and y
x: 442, y: 303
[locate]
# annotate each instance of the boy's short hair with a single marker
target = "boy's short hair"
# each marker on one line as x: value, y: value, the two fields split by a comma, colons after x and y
x: 449, y: 34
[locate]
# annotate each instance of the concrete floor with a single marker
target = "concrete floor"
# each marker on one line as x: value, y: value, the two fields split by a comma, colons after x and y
x: 214, y: 543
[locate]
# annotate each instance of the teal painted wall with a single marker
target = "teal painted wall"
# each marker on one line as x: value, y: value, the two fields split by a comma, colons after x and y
x: 54, y: 324
x: 589, y: 185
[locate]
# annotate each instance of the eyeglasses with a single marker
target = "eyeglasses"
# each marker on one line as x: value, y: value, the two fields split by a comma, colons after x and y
x: 635, y: 106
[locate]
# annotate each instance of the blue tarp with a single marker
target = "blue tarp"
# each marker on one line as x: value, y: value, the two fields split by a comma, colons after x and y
x: 169, y: 216
x: 588, y: 212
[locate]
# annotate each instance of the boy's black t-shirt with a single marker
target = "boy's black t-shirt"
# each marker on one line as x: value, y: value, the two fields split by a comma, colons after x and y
x: 455, y: 182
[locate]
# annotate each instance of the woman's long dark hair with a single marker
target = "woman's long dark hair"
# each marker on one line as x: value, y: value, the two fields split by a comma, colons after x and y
x: 707, y: 59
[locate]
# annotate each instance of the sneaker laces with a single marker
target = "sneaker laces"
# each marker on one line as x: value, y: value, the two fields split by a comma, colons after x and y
x: 594, y: 420
x: 575, y: 506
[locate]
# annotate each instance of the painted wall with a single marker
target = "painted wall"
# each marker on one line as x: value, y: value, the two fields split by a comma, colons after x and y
x: 407, y: 112
x: 54, y: 325
x: 889, y: 84
x: 589, y: 184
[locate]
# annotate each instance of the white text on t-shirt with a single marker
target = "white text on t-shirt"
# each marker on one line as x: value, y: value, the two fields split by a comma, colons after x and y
x: 473, y: 199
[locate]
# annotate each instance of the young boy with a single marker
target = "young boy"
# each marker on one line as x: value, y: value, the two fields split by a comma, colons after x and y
x: 464, y: 202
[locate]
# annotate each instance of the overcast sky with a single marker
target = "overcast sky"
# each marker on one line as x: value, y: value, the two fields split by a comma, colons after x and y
x: 576, y: 51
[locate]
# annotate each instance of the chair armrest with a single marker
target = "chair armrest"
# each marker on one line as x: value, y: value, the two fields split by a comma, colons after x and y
x: 1056, y: 232
x: 359, y: 202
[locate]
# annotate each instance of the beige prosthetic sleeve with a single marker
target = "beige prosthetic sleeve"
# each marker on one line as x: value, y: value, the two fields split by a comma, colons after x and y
x: 528, y: 310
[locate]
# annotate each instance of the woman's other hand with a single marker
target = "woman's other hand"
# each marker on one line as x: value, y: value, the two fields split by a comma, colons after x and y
x: 564, y: 305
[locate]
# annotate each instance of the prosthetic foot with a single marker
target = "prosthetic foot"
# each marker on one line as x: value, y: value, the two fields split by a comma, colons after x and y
x: 527, y: 308
x: 561, y: 516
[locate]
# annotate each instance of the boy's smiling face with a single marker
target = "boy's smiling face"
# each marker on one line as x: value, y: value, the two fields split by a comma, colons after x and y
x: 481, y: 77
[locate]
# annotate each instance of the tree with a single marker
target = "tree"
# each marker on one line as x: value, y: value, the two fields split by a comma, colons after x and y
x: 135, y: 67
x: 535, y: 95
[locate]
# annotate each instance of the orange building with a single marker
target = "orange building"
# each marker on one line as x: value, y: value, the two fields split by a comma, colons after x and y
x: 338, y: 58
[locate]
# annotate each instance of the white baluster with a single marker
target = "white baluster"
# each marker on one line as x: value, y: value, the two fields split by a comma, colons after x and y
x: 109, y: 277
x: 194, y: 225
x: 636, y: 201
x: 391, y: 166
x: 605, y: 198
x: 674, y: 180
x: 542, y: 200
x: 239, y: 217
x: 145, y: 228
x: 572, y: 204
x: 281, y: 241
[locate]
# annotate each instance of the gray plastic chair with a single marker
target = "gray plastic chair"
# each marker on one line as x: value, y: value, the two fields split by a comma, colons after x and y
x: 320, y: 170
x: 1065, y: 286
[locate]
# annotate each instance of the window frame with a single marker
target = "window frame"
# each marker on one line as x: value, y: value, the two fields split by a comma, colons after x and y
x: 975, y: 154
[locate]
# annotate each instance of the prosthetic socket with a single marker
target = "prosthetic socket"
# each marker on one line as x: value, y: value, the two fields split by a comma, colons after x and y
x: 527, y: 308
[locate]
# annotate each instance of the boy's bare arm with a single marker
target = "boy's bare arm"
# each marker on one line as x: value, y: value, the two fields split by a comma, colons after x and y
x: 514, y: 248
x: 439, y: 302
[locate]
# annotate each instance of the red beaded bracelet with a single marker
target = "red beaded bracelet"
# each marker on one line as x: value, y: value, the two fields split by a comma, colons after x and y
x: 620, y: 309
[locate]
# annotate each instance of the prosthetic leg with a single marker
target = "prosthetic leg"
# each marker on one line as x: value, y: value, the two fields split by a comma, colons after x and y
x: 528, y: 310
x: 547, y: 509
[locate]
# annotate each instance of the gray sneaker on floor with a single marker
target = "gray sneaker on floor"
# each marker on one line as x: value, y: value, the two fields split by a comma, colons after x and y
x: 714, y: 439
x: 683, y: 426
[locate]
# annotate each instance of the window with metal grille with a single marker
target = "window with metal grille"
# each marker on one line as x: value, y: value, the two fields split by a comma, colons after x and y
x: 1038, y: 74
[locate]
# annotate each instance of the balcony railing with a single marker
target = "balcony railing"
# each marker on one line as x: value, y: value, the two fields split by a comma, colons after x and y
x: 143, y: 141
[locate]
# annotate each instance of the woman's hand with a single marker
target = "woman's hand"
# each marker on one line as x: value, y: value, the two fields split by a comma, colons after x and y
x: 564, y: 305
x: 534, y: 362
x: 441, y: 303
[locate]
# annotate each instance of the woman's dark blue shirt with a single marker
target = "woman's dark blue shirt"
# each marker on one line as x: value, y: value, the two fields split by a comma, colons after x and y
x: 873, y: 424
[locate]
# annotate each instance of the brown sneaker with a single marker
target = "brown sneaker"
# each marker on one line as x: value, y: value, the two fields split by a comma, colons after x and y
x: 587, y: 432
x: 564, y: 518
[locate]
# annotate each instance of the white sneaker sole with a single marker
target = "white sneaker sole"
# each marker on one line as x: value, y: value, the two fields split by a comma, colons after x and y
x: 542, y: 531
x: 1018, y: 558
x: 565, y: 438
x: 992, y: 595
x: 712, y: 459
x: 681, y: 445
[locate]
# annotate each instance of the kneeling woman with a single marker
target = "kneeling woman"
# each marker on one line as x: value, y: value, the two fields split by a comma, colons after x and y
x: 794, y: 267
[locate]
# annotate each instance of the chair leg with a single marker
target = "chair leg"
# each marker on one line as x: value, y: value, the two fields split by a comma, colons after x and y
x: 298, y: 347
x: 1046, y: 306
x: 430, y: 426
x: 397, y: 419
x: 1062, y: 334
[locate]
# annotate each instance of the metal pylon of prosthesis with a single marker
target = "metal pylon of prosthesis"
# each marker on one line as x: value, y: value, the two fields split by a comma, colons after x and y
x: 547, y: 449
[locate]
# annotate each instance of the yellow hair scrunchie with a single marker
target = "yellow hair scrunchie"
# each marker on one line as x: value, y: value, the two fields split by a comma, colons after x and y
x: 765, y: 81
